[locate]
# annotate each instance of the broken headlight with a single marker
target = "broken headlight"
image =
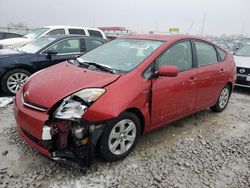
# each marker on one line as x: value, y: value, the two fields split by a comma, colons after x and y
x: 74, y: 106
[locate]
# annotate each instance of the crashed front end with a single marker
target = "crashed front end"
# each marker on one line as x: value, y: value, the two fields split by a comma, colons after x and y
x: 60, y: 133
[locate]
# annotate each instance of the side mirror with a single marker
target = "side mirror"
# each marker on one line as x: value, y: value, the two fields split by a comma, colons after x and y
x: 168, y: 70
x: 50, y: 53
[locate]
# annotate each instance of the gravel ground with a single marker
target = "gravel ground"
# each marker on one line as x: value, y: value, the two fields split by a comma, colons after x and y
x: 203, y: 150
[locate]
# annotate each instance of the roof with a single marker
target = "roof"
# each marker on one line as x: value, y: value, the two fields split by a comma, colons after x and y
x: 159, y: 37
x: 64, y: 36
x: 68, y: 26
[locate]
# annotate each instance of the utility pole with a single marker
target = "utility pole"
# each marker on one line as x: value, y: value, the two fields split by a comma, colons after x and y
x: 242, y: 30
x: 203, y: 23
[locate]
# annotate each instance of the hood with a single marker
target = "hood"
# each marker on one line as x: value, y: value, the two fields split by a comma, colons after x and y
x: 15, y: 42
x: 242, y: 61
x: 4, y: 53
x: 59, y: 81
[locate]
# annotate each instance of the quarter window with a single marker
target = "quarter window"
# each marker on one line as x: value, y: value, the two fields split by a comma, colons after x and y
x: 206, y: 54
x: 222, y: 54
x: 56, y: 32
x: 66, y: 46
x: 77, y: 31
x: 179, y: 55
x: 95, y: 33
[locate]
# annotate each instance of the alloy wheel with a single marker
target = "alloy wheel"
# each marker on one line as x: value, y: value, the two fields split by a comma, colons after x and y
x: 122, y: 137
x: 15, y: 81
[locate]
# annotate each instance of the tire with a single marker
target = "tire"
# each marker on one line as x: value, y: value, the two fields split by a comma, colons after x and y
x: 223, y: 99
x: 119, y: 144
x: 13, y: 80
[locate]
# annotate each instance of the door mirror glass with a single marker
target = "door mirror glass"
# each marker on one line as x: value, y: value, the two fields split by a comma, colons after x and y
x: 168, y: 70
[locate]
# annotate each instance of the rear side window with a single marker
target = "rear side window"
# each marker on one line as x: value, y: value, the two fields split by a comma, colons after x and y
x: 91, y: 44
x: 95, y: 33
x: 179, y: 55
x: 56, y: 32
x: 77, y: 31
x: 206, y: 54
x: 222, y: 54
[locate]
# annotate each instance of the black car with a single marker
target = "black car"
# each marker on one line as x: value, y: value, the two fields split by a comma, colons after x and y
x: 7, y: 35
x: 18, y: 64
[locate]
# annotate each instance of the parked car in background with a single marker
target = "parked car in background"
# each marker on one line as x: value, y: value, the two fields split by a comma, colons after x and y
x: 7, y: 35
x: 114, y: 93
x: 17, y: 65
x: 242, y: 60
x: 224, y: 45
x: 50, y: 30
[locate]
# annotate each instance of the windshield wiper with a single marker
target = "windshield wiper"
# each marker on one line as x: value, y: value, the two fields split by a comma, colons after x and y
x: 99, y: 66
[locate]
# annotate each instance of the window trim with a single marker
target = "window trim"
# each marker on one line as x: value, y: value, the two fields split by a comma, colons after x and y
x: 195, y: 50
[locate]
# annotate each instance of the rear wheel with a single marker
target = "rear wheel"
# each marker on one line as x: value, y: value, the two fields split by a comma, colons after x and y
x: 222, y: 100
x: 120, y: 137
x: 13, y: 80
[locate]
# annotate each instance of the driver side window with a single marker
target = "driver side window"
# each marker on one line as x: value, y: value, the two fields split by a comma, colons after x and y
x: 66, y: 46
x: 179, y: 55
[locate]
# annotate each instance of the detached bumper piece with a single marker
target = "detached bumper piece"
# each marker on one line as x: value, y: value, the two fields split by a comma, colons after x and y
x: 72, y: 142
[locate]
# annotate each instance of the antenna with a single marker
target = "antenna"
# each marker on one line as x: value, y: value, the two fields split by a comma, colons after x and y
x: 203, y: 23
x: 190, y: 28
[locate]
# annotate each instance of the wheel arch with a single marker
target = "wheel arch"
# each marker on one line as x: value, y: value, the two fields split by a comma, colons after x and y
x: 230, y: 84
x: 139, y: 114
x: 27, y: 68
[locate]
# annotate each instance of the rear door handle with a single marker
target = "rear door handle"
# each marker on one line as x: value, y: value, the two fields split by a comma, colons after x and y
x: 192, y: 79
x: 222, y: 70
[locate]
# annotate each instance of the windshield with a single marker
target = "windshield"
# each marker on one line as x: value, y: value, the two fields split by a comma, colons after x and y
x: 36, y: 33
x: 244, y: 51
x: 36, y: 45
x: 122, y: 54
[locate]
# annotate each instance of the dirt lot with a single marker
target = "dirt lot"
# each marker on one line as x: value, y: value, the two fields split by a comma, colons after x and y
x: 204, y: 150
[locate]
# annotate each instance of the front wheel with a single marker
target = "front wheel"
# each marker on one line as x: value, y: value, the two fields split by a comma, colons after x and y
x: 13, y: 80
x: 222, y: 100
x: 120, y: 137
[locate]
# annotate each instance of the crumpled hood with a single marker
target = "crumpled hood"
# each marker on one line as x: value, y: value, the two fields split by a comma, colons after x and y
x: 59, y: 81
x: 242, y: 61
x: 15, y: 42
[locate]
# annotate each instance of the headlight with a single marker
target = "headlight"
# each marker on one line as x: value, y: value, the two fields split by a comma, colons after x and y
x: 74, y: 106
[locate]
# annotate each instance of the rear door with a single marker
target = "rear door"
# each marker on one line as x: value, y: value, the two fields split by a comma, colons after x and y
x: 174, y: 97
x: 210, y: 74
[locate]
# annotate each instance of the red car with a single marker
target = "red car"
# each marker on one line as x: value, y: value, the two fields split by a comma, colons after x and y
x: 108, y: 97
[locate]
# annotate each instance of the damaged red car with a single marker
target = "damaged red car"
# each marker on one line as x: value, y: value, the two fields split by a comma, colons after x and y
x: 104, y: 100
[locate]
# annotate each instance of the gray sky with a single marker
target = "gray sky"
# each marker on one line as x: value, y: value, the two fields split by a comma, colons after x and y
x: 222, y: 16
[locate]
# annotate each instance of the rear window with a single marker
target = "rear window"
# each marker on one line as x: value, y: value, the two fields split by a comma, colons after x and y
x: 95, y: 33
x: 77, y: 31
x: 222, y: 54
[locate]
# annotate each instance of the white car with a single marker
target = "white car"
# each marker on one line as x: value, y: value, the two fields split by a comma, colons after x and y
x: 242, y: 60
x: 50, y: 30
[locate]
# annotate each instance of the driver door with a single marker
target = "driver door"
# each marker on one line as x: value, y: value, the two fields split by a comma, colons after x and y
x: 174, y: 97
x: 61, y: 51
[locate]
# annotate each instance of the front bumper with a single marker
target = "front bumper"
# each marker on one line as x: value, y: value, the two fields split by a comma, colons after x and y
x: 62, y: 146
x: 243, y: 80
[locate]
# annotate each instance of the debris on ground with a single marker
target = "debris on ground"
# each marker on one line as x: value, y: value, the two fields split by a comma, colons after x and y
x: 5, y: 101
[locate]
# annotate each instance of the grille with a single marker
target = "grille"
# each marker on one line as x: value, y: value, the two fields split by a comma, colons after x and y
x: 245, y: 72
